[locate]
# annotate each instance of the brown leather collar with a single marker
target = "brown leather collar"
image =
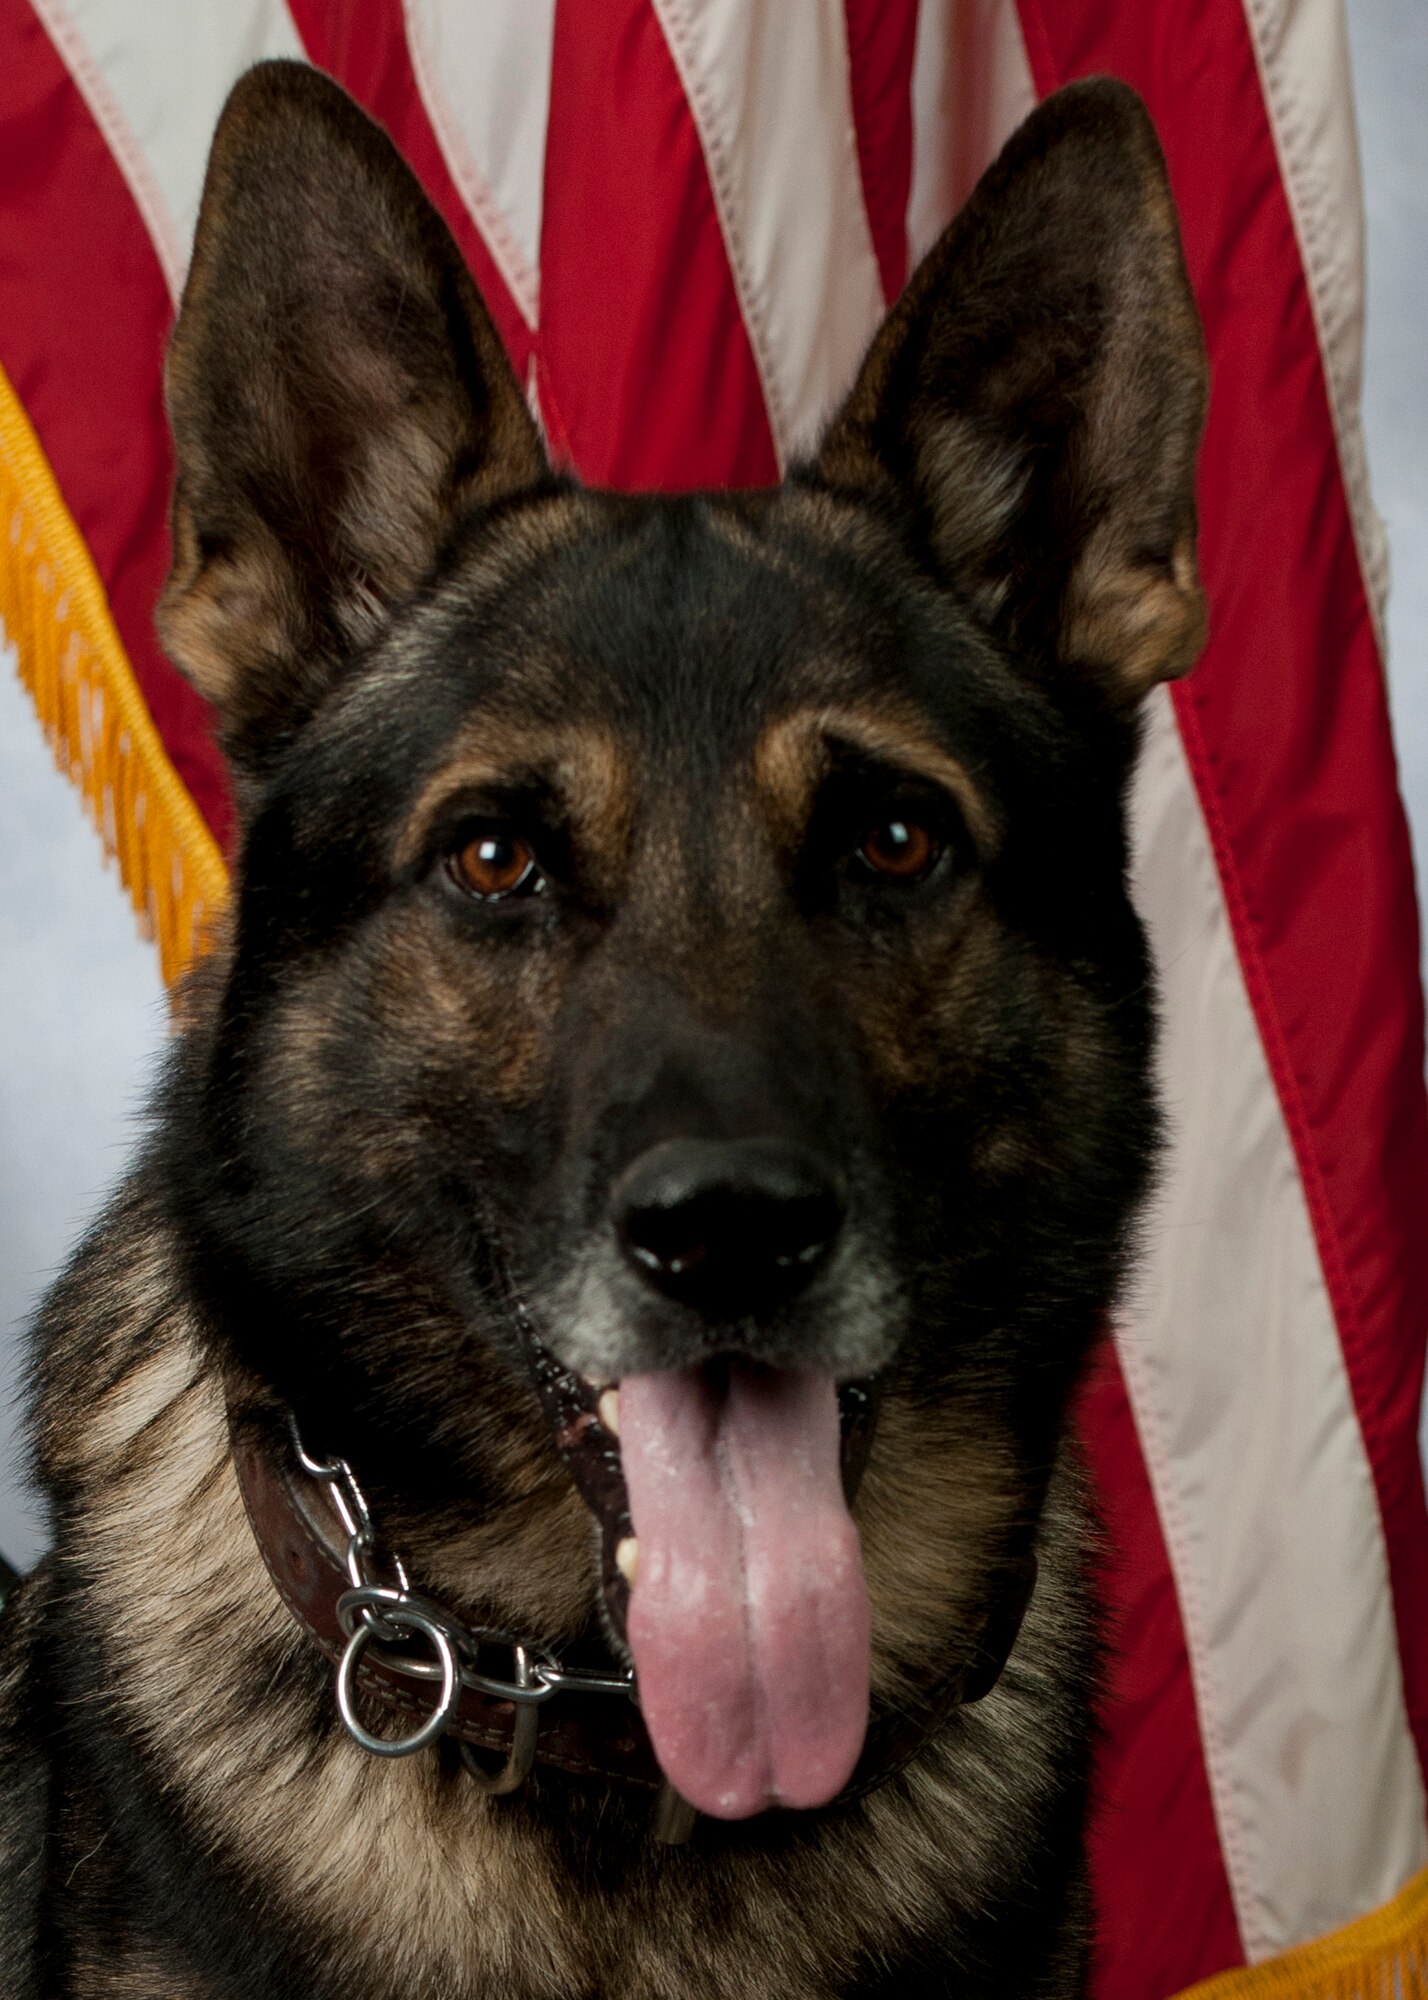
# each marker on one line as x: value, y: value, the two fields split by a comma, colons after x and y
x: 302, y: 1541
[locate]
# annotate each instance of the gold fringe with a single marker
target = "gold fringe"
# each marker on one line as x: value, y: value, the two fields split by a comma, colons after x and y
x: 54, y: 609
x: 1383, y: 1956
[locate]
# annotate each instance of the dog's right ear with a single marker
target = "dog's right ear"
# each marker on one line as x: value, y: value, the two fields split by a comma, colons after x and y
x: 336, y: 391
x: 1033, y: 404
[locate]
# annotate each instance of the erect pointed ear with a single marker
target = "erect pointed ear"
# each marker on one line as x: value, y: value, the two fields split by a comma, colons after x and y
x: 336, y: 391
x: 1036, y: 397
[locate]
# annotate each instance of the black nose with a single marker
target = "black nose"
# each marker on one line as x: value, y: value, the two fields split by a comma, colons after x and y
x: 732, y: 1228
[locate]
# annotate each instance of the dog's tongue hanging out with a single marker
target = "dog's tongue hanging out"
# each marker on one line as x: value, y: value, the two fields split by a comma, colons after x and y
x: 749, y: 1617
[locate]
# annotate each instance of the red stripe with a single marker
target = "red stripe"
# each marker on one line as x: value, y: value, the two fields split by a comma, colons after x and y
x: 84, y: 314
x: 1163, y: 1900
x: 1286, y: 726
x: 882, y: 36
x: 363, y: 44
x: 645, y: 364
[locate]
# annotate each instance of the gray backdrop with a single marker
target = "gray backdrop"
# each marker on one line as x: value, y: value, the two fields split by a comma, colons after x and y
x: 82, y: 1018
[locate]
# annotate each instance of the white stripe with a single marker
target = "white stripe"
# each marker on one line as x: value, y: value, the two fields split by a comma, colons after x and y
x: 1247, y: 1420
x: 154, y: 78
x: 483, y: 68
x: 971, y: 88
x: 1303, y: 54
x: 767, y: 82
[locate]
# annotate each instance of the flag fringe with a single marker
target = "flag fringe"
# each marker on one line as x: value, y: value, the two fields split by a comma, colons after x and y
x: 1383, y: 1956
x: 72, y: 661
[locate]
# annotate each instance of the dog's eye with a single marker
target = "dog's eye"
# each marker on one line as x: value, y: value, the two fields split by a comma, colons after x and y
x: 899, y: 850
x: 494, y: 863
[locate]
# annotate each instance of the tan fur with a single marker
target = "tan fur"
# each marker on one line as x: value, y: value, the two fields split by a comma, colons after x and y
x: 1147, y: 625
x: 212, y: 615
x: 939, y: 1502
x: 496, y: 751
x: 792, y: 756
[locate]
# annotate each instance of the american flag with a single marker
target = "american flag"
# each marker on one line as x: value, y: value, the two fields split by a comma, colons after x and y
x: 687, y: 217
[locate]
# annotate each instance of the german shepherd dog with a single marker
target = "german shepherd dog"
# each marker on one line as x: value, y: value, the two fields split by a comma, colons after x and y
x: 639, y: 1179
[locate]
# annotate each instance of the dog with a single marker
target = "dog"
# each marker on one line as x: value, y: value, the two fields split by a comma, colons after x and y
x: 557, y: 1451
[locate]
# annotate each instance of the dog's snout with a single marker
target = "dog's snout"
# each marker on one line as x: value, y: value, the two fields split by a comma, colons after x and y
x: 732, y: 1228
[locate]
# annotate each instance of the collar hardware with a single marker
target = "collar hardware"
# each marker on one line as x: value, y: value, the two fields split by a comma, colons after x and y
x: 438, y: 1677
x: 373, y: 1612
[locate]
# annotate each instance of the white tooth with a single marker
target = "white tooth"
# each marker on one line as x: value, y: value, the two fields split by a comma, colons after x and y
x: 627, y: 1558
x: 609, y: 1411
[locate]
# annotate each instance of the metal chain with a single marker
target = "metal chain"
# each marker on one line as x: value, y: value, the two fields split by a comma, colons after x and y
x: 379, y: 1612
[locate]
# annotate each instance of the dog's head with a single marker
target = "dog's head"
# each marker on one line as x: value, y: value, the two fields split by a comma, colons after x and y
x: 689, y: 933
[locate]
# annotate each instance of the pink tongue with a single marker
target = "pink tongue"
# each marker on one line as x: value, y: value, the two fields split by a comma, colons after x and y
x: 749, y: 1617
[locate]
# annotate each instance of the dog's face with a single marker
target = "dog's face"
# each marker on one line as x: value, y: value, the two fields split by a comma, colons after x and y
x: 686, y: 933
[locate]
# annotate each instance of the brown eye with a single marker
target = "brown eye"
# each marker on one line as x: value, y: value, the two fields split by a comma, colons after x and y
x: 495, y: 863
x: 899, y: 850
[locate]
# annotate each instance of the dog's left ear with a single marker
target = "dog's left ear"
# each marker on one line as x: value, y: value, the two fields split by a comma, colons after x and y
x: 338, y: 395
x: 1036, y: 397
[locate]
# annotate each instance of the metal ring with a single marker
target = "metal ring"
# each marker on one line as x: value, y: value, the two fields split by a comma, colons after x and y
x: 411, y: 1619
x: 368, y: 1605
x: 525, y: 1730
x: 354, y: 1605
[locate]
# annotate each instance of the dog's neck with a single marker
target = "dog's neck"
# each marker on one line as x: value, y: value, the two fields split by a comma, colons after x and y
x: 230, y: 1707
